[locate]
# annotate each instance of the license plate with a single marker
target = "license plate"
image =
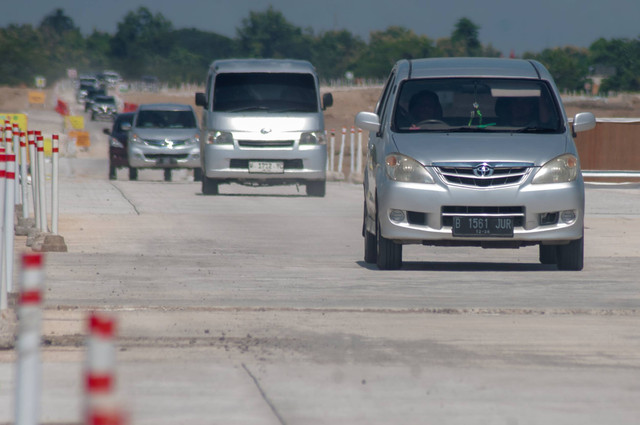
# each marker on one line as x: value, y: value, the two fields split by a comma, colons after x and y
x: 266, y: 167
x: 166, y: 161
x: 483, y: 226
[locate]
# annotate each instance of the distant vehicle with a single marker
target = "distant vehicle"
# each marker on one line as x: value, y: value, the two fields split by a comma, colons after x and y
x: 92, y: 93
x: 150, y: 83
x: 84, y: 85
x: 164, y: 136
x: 118, y: 135
x: 103, y: 107
x: 473, y: 152
x: 110, y: 78
x: 262, y: 125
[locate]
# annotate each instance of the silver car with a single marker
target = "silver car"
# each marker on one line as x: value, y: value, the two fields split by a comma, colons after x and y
x: 166, y: 136
x: 473, y: 152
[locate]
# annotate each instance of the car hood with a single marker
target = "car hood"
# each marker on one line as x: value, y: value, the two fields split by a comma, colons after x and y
x: 165, y: 133
x: 429, y: 148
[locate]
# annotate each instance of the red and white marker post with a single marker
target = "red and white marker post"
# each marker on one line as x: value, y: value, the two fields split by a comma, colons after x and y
x: 29, y: 370
x: 101, y: 406
x: 55, y: 143
x: 42, y: 193
x: 31, y: 137
x: 9, y: 213
x: 23, y: 175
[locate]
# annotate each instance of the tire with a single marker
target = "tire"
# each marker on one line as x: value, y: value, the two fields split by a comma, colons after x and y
x: 317, y: 189
x: 209, y: 186
x: 370, y: 247
x: 548, y: 254
x: 197, y: 174
x: 389, y: 253
x: 133, y: 173
x: 167, y: 174
x: 571, y: 255
x: 112, y: 173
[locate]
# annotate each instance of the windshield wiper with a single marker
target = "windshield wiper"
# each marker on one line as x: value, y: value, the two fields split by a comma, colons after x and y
x: 249, y: 108
x: 468, y: 129
x: 533, y: 129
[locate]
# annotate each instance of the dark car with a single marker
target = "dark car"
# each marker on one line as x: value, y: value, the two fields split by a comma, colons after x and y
x: 92, y: 93
x: 118, y: 145
x: 103, y: 107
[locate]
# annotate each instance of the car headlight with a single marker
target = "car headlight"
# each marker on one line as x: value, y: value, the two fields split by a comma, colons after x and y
x: 313, y: 138
x: 219, y: 138
x: 115, y: 143
x: 193, y: 140
x: 562, y: 169
x: 401, y: 168
x: 135, y: 139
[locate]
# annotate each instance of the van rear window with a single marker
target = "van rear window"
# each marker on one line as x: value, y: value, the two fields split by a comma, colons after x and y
x: 265, y: 92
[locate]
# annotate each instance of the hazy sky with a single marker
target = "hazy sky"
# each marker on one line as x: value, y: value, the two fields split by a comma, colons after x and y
x: 506, y: 24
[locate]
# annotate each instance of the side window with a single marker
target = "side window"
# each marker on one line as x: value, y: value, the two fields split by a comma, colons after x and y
x: 389, y: 89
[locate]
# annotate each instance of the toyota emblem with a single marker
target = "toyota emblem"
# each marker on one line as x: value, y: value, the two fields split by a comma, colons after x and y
x: 483, y: 170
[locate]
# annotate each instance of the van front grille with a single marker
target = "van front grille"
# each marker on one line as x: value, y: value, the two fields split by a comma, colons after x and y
x: 258, y: 144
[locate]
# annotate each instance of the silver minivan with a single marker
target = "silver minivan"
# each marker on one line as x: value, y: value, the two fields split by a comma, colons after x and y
x: 472, y: 152
x: 164, y: 136
x: 262, y: 124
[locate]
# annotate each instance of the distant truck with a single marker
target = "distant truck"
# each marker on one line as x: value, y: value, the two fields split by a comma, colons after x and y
x: 263, y: 125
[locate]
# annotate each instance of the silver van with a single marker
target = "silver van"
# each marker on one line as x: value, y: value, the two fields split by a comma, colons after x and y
x: 262, y: 124
x: 472, y: 152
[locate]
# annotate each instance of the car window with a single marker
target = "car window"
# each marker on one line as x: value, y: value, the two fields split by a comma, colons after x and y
x: 476, y: 104
x: 165, y: 119
x: 267, y: 92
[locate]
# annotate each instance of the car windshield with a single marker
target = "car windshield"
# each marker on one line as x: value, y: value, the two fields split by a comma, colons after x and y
x: 476, y: 104
x: 165, y: 119
x: 266, y: 92
x: 105, y: 99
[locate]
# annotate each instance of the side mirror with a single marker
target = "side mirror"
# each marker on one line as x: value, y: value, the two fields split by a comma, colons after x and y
x: 201, y: 100
x: 327, y: 100
x: 583, y: 121
x: 368, y: 121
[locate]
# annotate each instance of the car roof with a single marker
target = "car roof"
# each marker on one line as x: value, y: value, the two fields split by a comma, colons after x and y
x: 262, y: 65
x: 472, y: 67
x: 165, y: 107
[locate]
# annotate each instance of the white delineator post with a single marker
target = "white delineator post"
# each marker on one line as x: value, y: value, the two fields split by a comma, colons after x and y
x: 333, y: 150
x: 33, y: 161
x: 3, y: 178
x: 16, y: 152
x: 9, y: 214
x: 42, y: 193
x: 359, y: 163
x: 28, y: 379
x: 344, y: 136
x: 23, y: 175
x: 54, y: 184
x: 101, y: 406
x: 352, y: 152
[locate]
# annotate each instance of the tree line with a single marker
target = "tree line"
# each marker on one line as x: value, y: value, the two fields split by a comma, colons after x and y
x: 148, y: 44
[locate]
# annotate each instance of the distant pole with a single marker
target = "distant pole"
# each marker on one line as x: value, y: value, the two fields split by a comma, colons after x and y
x: 333, y: 149
x: 54, y: 184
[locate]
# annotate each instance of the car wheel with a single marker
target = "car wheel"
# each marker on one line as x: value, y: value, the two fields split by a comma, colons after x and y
x: 548, y: 254
x: 209, y: 186
x: 112, y: 173
x: 317, y: 189
x: 197, y: 174
x: 133, y: 173
x: 167, y: 174
x: 370, y: 250
x: 389, y: 253
x: 571, y: 255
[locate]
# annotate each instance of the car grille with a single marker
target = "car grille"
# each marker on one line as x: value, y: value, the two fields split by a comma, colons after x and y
x: 289, y: 164
x: 162, y: 143
x: 450, y: 211
x: 266, y: 143
x: 468, y: 174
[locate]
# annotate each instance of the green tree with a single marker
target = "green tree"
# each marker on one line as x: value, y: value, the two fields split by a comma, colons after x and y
x: 622, y: 54
x: 269, y: 35
x: 568, y: 65
x: 387, y: 47
x: 62, y: 42
x: 335, y: 53
x: 464, y: 38
x: 23, y: 55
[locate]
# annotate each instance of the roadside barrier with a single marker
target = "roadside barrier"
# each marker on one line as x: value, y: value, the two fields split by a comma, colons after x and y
x: 101, y: 406
x: 355, y: 153
x: 29, y: 373
x: 9, y: 212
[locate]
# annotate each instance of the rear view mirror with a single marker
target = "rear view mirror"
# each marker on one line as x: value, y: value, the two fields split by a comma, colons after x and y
x: 327, y: 100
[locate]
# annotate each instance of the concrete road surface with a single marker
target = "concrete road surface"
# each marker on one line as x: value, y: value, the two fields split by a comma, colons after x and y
x: 255, y: 307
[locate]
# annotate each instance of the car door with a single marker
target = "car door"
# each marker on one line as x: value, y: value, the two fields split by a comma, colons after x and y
x: 375, y: 151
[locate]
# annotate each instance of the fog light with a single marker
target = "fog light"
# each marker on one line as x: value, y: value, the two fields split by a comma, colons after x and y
x: 568, y: 216
x: 396, y: 215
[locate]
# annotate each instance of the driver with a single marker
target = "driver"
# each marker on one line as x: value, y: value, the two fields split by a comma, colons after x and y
x: 424, y: 106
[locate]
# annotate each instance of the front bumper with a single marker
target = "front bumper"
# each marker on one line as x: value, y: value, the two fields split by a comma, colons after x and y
x: 162, y: 157
x: 303, y: 163
x: 426, y: 206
